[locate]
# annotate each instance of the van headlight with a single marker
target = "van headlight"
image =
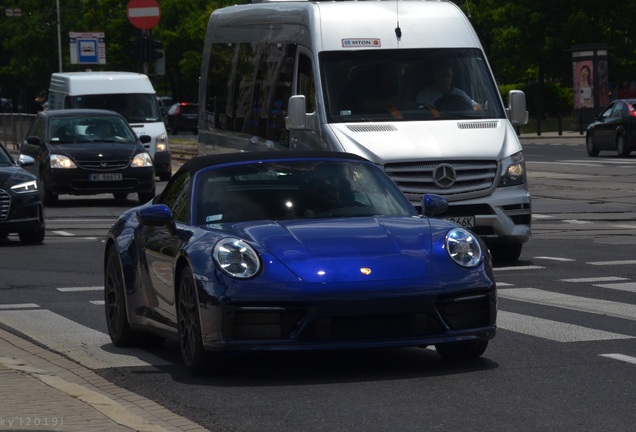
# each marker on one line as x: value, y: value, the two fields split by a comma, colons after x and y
x: 62, y: 162
x: 236, y: 258
x: 514, y: 170
x: 141, y: 160
x: 463, y: 247
x: 162, y: 143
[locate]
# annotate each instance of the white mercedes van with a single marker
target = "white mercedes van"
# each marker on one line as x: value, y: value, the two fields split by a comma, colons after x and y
x: 405, y: 84
x: 130, y: 94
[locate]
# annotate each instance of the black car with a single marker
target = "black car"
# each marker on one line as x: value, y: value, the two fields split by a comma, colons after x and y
x: 88, y: 152
x: 183, y: 116
x: 614, y: 129
x: 21, y: 210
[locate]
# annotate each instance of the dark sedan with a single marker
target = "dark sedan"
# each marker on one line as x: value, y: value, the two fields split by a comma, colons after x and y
x: 21, y: 209
x: 294, y: 251
x: 614, y: 129
x: 88, y: 152
x: 183, y: 116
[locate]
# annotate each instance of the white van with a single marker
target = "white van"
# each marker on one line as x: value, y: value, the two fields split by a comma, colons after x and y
x: 358, y: 77
x: 130, y: 94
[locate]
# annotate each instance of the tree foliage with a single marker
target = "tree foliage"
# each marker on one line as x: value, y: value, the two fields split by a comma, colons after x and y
x: 527, y: 41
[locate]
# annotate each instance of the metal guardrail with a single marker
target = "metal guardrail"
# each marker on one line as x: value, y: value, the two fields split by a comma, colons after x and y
x: 13, y: 128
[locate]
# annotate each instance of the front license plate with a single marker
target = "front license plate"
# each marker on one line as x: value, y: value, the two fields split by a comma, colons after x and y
x: 464, y: 221
x: 106, y: 177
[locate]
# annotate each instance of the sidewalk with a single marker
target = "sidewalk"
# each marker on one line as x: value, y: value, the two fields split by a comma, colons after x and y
x: 44, y: 391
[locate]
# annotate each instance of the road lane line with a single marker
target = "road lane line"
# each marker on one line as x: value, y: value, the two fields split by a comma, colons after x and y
x: 75, y: 289
x: 621, y: 357
x: 570, y: 302
x: 553, y: 330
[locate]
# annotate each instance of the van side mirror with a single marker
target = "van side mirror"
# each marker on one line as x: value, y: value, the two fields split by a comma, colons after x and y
x: 517, y: 112
x: 296, y: 113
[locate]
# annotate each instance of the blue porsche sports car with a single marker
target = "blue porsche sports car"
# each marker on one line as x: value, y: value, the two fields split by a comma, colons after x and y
x: 294, y: 251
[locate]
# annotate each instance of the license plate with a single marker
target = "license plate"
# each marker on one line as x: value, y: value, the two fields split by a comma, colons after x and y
x: 464, y: 221
x: 106, y: 177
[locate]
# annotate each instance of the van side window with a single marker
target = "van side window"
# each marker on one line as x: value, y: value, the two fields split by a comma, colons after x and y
x: 306, y: 84
x: 248, y: 88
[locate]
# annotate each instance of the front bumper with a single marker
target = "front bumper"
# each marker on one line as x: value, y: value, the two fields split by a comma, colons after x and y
x: 348, y: 321
x: 24, y: 212
x: 77, y: 181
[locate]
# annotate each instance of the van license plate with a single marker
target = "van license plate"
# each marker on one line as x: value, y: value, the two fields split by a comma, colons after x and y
x: 106, y: 177
x: 464, y: 221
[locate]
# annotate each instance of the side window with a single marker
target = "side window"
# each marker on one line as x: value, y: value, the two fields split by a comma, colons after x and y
x: 278, y: 74
x: 177, y: 197
x: 218, y: 110
x: 305, y: 84
x: 37, y: 128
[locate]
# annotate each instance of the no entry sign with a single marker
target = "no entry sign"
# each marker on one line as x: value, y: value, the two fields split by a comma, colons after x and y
x: 143, y: 14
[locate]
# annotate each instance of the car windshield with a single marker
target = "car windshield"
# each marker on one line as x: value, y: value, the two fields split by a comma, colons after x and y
x: 295, y: 190
x: 86, y: 129
x: 412, y: 84
x: 136, y: 108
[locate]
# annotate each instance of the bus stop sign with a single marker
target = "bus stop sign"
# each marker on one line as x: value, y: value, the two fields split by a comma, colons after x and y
x: 143, y: 14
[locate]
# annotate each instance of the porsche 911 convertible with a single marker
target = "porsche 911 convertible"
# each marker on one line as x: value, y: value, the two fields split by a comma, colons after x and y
x: 294, y: 251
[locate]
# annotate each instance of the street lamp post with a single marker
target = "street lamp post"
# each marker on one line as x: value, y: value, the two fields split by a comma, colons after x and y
x: 59, y: 36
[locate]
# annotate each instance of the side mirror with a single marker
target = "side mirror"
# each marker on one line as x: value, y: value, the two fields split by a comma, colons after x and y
x: 433, y: 205
x: 25, y: 160
x: 517, y: 111
x: 296, y: 113
x: 157, y: 215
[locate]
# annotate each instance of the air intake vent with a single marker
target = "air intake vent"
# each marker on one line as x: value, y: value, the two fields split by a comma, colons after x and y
x: 479, y: 125
x: 372, y: 128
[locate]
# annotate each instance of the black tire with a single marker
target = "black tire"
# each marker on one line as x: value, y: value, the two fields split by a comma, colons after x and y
x: 589, y: 144
x: 144, y: 197
x: 35, y: 236
x: 121, y: 334
x: 622, y: 148
x: 462, y: 350
x: 195, y: 358
x: 505, y: 252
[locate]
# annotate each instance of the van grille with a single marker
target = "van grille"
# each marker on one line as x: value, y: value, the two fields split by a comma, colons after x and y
x: 453, y: 179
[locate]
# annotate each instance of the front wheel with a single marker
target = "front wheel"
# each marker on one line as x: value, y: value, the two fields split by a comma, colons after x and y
x: 34, y: 236
x: 195, y: 358
x: 505, y: 252
x: 591, y: 148
x: 462, y: 350
x: 622, y: 148
x: 121, y: 334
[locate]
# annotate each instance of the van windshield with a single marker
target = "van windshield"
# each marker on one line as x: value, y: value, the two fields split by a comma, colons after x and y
x: 135, y: 107
x: 413, y: 84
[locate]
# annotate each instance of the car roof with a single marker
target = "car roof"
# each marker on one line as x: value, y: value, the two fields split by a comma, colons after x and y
x: 198, y: 163
x: 78, y: 112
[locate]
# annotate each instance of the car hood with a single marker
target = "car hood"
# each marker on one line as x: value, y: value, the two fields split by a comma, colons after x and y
x: 347, y: 250
x: 11, y: 175
x: 96, y: 151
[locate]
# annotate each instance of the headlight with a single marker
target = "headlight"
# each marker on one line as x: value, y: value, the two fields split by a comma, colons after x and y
x: 30, y: 186
x: 236, y: 258
x: 142, y: 160
x: 463, y: 247
x: 64, y: 162
x: 514, y: 170
x: 162, y: 143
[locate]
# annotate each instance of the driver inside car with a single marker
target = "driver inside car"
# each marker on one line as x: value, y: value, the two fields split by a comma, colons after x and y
x: 441, y: 88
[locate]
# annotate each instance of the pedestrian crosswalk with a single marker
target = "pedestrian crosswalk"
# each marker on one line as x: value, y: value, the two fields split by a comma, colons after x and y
x: 517, y: 313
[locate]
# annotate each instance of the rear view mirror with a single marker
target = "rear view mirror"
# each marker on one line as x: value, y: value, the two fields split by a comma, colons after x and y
x: 517, y: 112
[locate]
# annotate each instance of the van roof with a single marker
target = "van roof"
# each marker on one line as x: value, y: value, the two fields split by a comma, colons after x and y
x: 79, y: 83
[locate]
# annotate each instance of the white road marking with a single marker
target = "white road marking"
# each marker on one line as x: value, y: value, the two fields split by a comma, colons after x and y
x: 565, y: 301
x: 75, y: 289
x: 89, y: 347
x: 554, y: 258
x: 621, y: 357
x: 611, y: 263
x: 595, y: 279
x: 552, y: 330
x: 627, y: 286
x: 64, y: 233
x: 530, y: 267
x: 19, y: 306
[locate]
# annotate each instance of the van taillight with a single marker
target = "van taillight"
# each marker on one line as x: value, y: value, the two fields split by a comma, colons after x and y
x: 632, y: 111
